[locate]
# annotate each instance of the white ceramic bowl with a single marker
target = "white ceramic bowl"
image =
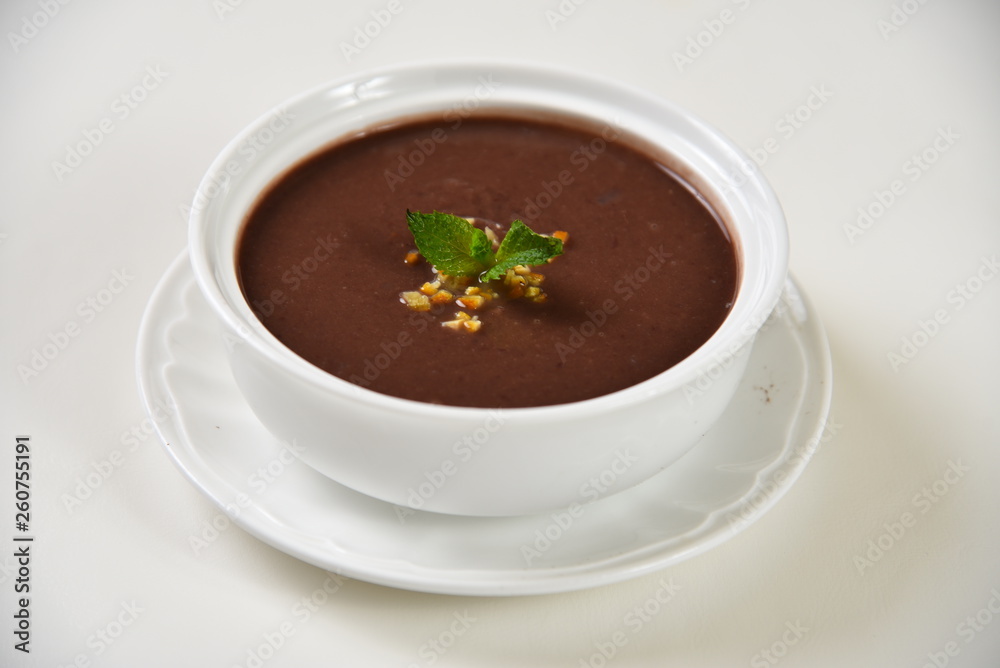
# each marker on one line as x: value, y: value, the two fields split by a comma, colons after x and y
x: 478, y: 461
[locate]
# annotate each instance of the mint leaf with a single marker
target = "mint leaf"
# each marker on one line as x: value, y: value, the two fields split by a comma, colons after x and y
x: 458, y: 248
x: 522, y: 246
x: 451, y: 243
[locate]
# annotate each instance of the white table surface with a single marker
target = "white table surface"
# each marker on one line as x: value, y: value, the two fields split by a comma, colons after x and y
x: 792, y: 582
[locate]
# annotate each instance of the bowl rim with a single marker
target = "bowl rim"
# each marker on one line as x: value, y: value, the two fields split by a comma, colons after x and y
x: 726, y: 340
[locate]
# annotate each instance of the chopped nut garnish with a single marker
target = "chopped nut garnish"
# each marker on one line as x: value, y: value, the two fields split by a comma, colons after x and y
x: 474, y: 302
x: 515, y: 283
x: 463, y: 321
x: 442, y: 297
x: 454, y: 283
x: 492, y: 236
x: 416, y: 300
x: 466, y: 292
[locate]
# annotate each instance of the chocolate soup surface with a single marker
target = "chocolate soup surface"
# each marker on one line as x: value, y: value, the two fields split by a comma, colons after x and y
x: 648, y: 274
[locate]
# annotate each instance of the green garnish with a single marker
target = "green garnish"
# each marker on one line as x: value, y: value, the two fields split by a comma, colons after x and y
x: 456, y: 247
x: 522, y: 246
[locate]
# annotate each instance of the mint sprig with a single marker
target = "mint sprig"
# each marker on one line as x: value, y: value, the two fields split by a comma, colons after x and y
x: 450, y: 243
x: 522, y: 246
x: 458, y: 248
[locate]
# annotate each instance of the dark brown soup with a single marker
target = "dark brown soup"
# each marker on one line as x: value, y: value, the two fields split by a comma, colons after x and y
x: 648, y: 275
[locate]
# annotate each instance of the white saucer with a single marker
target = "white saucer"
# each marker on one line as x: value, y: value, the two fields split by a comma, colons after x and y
x: 739, y: 470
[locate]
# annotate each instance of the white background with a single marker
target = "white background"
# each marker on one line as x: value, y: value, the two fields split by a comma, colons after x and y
x: 890, y: 94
